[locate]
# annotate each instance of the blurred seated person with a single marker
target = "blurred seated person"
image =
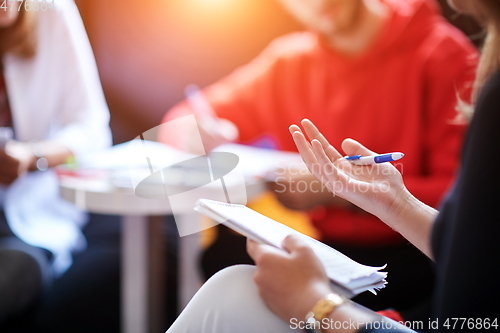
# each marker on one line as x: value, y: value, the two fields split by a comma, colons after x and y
x: 384, y: 72
x: 52, y: 102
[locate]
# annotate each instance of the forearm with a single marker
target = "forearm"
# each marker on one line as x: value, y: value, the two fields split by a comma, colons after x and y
x: 20, y: 157
x: 54, y: 152
x: 412, y: 219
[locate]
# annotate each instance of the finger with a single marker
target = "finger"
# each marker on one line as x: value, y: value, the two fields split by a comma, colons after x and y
x: 309, y: 157
x: 353, y: 147
x: 311, y: 130
x: 253, y: 249
x: 314, y: 134
x: 323, y: 160
x: 304, y: 148
x: 328, y: 171
x: 257, y: 251
x: 294, y: 128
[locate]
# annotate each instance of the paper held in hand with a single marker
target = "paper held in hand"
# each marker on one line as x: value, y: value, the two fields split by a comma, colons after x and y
x: 348, y: 277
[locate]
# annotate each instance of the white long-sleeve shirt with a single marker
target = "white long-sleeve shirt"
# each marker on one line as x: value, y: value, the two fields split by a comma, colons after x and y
x: 54, y: 95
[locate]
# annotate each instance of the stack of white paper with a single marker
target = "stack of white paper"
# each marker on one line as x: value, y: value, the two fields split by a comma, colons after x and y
x: 348, y: 276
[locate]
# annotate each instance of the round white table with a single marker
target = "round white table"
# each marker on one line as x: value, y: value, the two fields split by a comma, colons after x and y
x: 139, y: 299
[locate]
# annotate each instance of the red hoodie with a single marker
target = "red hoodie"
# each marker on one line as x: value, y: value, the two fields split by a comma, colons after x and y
x: 399, y: 95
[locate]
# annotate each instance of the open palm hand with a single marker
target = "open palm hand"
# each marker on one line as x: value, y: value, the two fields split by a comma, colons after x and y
x: 373, y: 188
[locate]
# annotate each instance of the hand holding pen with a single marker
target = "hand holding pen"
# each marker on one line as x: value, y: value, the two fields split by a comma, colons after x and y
x: 214, y: 131
x: 374, y: 159
x: 374, y: 187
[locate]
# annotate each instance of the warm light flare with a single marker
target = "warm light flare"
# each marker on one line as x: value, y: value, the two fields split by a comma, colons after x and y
x: 214, y: 2
x: 215, y: 5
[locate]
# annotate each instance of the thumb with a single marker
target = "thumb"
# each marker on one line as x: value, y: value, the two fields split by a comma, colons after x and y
x: 293, y: 243
x: 353, y: 147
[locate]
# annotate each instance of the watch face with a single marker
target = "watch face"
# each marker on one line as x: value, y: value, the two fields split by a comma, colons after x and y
x: 323, y: 308
x: 42, y: 164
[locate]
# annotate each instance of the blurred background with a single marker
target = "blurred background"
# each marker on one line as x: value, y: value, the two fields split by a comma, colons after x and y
x: 148, y: 51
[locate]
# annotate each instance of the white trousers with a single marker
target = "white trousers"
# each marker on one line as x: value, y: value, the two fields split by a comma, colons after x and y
x: 229, y: 302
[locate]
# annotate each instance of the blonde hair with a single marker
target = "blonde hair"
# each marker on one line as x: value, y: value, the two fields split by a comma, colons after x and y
x: 19, y: 38
x: 487, y: 12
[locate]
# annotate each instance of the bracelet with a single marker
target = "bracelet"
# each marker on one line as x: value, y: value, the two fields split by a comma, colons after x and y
x: 324, y: 307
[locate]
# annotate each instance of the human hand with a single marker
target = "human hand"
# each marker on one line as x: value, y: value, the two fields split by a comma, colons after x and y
x: 216, y: 131
x: 378, y: 188
x: 15, y: 160
x: 301, y: 190
x: 290, y: 282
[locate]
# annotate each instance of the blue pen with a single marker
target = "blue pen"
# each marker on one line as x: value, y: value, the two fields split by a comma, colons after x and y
x: 367, y: 160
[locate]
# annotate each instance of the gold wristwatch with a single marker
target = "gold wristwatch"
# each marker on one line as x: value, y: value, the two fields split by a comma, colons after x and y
x: 321, y: 310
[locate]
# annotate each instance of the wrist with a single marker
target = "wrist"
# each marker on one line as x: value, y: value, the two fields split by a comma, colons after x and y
x: 413, y: 220
x: 38, y: 161
x: 324, y: 308
x: 308, y: 298
x: 401, y: 204
x: 23, y: 154
x: 408, y: 208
